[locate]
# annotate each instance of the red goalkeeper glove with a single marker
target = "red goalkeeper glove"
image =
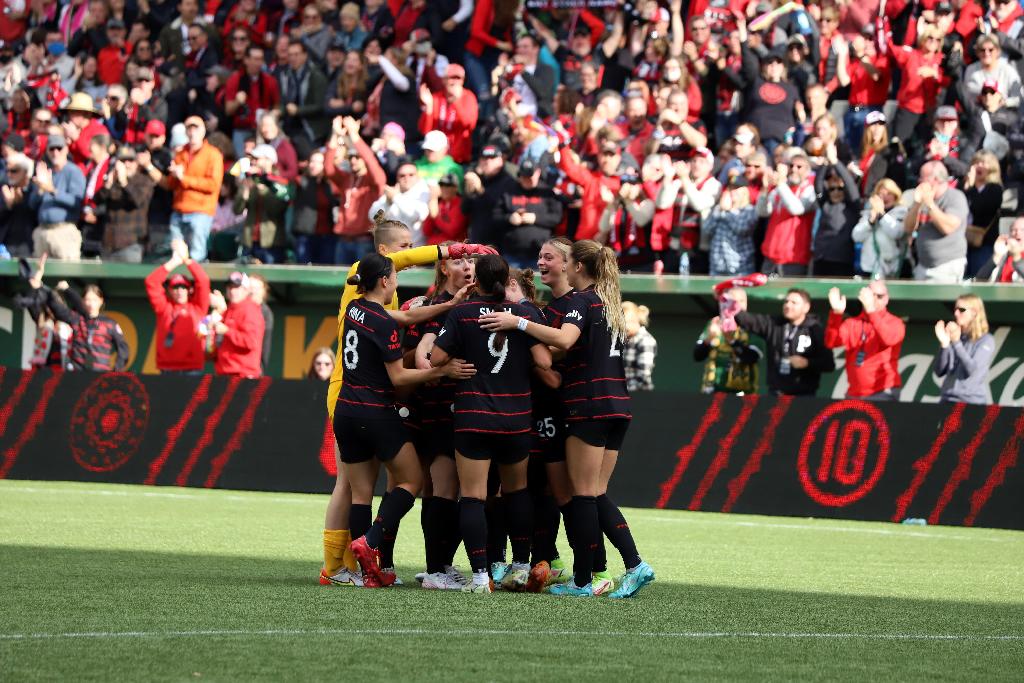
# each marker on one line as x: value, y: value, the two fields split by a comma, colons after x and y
x: 462, y: 250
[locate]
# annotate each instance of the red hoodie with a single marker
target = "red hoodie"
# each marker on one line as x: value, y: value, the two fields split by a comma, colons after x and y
x: 880, y: 336
x: 241, y: 349
x: 181, y: 320
x: 590, y: 182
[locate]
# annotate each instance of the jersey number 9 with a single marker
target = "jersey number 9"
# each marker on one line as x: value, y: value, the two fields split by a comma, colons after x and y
x: 501, y: 354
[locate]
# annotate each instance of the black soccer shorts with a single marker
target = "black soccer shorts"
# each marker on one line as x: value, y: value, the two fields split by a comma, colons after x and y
x: 361, y: 439
x: 606, y: 434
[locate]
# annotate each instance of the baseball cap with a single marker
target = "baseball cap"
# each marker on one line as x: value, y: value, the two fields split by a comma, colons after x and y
x: 455, y: 71
x: 704, y: 152
x: 156, y: 128
x: 15, y: 142
x: 435, y: 141
x: 772, y: 57
x: 56, y: 142
x: 875, y: 117
x: 126, y: 153
x: 946, y: 113
x: 419, y: 35
x: 449, y: 179
x: 490, y: 152
x: 393, y: 128
x: 264, y: 152
x: 527, y: 167
x: 238, y: 279
x: 582, y: 29
x: 989, y: 84
x: 944, y: 8
x: 179, y: 280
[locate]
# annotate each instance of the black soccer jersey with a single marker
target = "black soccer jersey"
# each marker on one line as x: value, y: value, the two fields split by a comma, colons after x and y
x: 371, y: 340
x: 496, y: 400
x: 546, y: 401
x: 434, y: 401
x: 594, y: 382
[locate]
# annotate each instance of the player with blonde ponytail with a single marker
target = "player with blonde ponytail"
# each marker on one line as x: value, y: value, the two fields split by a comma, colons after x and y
x: 597, y: 404
x: 392, y: 239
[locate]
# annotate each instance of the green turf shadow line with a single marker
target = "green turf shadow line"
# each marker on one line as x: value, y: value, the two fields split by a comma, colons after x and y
x: 151, y: 592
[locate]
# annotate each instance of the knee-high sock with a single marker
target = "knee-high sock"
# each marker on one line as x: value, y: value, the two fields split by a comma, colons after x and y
x: 336, y: 541
x: 394, y: 506
x: 546, y: 519
x: 426, y: 526
x: 473, y: 524
x: 434, y: 535
x: 387, y: 544
x: 600, y: 555
x: 519, y: 517
x: 587, y: 532
x: 497, y: 531
x: 359, y: 520
x: 448, y: 530
x: 614, y: 526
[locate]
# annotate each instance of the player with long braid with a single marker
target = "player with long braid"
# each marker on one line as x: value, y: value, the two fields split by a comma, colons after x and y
x: 597, y: 405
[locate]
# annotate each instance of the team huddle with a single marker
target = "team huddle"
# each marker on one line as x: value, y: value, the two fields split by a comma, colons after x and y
x: 505, y: 415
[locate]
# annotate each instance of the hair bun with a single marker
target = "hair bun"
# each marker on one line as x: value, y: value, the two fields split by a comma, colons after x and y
x: 354, y: 280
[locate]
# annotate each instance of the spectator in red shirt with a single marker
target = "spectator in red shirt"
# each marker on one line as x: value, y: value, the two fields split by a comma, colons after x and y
x: 247, y: 16
x: 239, y: 351
x: 637, y: 130
x: 789, y: 207
x: 247, y: 91
x: 82, y: 124
x: 869, y: 77
x: 591, y: 182
x: 872, y: 342
x: 453, y: 111
x: 358, y: 181
x: 921, y: 78
x: 446, y: 221
x: 178, y: 309
x: 111, y: 59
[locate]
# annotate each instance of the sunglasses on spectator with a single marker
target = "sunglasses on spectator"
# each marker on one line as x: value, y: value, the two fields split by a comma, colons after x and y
x: 961, y: 309
x: 55, y: 148
x: 609, y: 152
x: 323, y: 363
x: 800, y: 165
x: 837, y: 188
x: 179, y: 286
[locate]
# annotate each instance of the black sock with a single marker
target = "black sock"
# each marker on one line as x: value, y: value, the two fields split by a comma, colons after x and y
x: 473, y: 523
x: 519, y: 515
x: 614, y: 526
x: 387, y: 544
x: 545, y: 528
x: 600, y: 555
x: 431, y: 537
x: 587, y: 531
x: 359, y: 520
x: 448, y: 530
x: 497, y: 534
x: 566, y: 511
x: 385, y: 527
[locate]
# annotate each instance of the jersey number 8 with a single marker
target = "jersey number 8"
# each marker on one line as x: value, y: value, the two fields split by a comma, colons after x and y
x: 501, y: 354
x: 350, y: 353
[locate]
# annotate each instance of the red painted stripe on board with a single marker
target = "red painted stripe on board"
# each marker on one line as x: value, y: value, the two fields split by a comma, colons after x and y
x: 721, y: 458
x: 686, y: 453
x: 924, y: 464
x: 753, y: 464
x: 963, y: 467
x: 207, y: 438
x: 241, y: 431
x: 1007, y: 460
x: 174, y: 433
x: 15, y: 398
x: 32, y: 423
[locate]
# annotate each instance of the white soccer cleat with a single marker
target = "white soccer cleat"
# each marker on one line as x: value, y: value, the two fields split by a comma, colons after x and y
x: 454, y: 572
x: 442, y: 581
x: 344, y: 577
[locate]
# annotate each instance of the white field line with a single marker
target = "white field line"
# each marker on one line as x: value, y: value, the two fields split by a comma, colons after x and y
x: 433, y: 632
x: 317, y: 499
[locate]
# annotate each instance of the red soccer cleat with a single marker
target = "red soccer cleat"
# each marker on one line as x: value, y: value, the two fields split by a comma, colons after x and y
x: 369, y: 560
x: 539, y: 576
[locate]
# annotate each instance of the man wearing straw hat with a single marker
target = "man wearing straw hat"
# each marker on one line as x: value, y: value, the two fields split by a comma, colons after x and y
x: 82, y: 124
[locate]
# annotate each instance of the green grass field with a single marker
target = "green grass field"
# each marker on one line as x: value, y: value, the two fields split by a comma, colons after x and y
x: 135, y: 583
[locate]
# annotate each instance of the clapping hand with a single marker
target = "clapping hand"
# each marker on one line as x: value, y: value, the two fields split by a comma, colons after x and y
x: 36, y: 281
x: 953, y: 332
x: 836, y: 300
x: 867, y: 299
x: 941, y: 334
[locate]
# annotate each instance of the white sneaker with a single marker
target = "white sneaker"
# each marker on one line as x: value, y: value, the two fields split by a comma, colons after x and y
x: 420, y: 576
x: 453, y: 571
x: 442, y: 581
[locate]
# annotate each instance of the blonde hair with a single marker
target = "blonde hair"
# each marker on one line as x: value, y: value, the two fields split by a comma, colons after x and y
x: 930, y: 32
x: 642, y: 313
x: 600, y: 263
x: 889, y: 185
x: 994, y: 176
x: 385, y: 231
x: 979, y: 326
x: 563, y: 245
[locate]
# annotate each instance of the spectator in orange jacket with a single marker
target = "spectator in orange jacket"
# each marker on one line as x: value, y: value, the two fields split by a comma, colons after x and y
x: 240, y: 332
x: 358, y: 181
x: 178, y: 309
x: 872, y: 341
x: 452, y: 111
x: 195, y: 177
x: 606, y: 175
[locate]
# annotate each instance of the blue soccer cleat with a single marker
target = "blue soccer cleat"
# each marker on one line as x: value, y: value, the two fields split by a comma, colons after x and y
x: 570, y: 588
x: 633, y: 580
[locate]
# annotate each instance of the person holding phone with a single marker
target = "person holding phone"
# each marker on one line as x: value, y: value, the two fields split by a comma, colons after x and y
x: 730, y: 361
x: 872, y: 341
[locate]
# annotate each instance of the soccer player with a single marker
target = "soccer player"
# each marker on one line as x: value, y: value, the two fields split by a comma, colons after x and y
x: 394, y: 239
x: 597, y: 405
x: 492, y: 419
x: 366, y: 420
x: 436, y: 447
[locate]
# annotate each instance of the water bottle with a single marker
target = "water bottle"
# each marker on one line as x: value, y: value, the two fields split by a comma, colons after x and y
x: 915, y: 521
x: 684, y: 264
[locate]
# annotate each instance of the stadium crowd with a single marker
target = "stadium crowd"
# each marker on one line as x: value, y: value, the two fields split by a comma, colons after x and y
x: 712, y: 136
